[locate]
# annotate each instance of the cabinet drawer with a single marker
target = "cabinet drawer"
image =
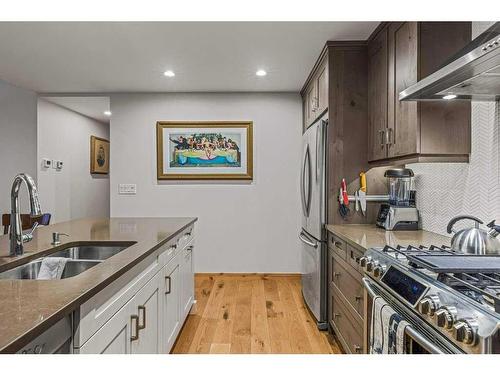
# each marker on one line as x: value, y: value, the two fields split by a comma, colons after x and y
x: 348, y: 328
x: 349, y: 285
x: 353, y: 255
x: 337, y: 245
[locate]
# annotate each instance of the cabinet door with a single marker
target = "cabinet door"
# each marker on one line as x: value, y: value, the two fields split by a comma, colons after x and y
x: 146, y: 305
x: 322, y: 87
x: 311, y: 104
x: 114, y: 337
x: 170, y: 297
x: 377, y: 96
x: 187, y: 287
x: 403, y: 129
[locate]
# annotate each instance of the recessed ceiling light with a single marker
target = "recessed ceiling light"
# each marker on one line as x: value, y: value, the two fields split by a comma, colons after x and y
x: 107, y: 113
x: 169, y: 73
x: 260, y: 73
x: 449, y: 97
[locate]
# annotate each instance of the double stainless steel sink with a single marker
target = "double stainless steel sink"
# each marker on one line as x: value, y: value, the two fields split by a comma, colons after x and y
x: 81, y: 258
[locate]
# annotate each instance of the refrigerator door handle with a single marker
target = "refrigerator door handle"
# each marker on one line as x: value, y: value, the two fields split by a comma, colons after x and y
x: 307, y: 241
x: 306, y: 196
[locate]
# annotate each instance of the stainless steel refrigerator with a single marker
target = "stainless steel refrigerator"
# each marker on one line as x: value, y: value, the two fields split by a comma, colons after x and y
x: 313, y: 234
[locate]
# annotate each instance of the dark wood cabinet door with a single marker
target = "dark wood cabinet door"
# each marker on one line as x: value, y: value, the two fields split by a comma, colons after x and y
x: 322, y: 87
x: 377, y: 96
x: 403, y: 133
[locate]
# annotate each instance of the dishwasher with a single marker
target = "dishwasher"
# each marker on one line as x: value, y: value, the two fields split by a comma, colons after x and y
x: 55, y: 340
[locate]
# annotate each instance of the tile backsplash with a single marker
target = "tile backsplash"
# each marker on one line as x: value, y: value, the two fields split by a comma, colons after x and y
x: 445, y: 190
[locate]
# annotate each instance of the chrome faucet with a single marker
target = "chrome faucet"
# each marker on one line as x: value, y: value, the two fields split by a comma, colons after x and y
x: 17, y: 238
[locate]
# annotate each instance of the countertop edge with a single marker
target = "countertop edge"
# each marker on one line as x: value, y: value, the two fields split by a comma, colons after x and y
x: 25, y: 338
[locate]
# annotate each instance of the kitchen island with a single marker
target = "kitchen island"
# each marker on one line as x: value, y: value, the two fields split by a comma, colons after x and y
x: 29, y: 307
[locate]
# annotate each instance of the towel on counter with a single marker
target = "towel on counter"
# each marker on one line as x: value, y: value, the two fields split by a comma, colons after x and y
x: 387, y: 330
x: 52, y: 268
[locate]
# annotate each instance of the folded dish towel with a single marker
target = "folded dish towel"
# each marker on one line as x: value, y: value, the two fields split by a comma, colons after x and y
x: 51, y: 268
x: 376, y: 331
x: 387, y: 330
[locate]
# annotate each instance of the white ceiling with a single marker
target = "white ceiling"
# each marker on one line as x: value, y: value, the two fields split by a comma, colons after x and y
x: 90, y: 106
x: 132, y: 56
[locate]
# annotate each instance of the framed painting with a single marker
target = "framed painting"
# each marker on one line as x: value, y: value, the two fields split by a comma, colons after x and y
x: 204, y: 150
x: 99, y: 155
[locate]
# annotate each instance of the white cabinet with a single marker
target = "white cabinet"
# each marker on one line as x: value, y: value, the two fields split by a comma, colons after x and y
x: 114, y: 336
x: 143, y: 311
x: 146, y: 305
x: 171, y: 320
x: 187, y: 280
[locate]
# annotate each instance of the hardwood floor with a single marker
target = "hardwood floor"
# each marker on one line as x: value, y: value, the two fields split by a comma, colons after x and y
x: 251, y: 313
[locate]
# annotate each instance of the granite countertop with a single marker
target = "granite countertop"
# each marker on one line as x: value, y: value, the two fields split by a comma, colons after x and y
x: 364, y: 236
x: 28, y: 307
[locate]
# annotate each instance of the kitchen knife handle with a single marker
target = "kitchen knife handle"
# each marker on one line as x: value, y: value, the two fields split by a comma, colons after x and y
x: 362, y: 177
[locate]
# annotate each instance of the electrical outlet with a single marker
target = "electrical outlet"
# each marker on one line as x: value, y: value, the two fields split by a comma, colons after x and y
x: 46, y: 163
x: 59, y: 165
x: 127, y: 189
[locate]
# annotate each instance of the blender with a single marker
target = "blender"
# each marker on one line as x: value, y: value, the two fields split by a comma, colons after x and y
x: 400, y: 213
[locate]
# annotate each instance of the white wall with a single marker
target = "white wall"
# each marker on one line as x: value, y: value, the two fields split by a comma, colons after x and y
x: 72, y: 192
x: 243, y: 227
x: 17, y: 140
x: 445, y: 190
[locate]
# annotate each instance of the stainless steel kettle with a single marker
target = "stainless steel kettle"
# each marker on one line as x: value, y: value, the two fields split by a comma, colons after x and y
x: 475, y: 240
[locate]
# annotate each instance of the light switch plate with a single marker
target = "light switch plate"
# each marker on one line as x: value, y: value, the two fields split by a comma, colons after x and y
x: 127, y: 189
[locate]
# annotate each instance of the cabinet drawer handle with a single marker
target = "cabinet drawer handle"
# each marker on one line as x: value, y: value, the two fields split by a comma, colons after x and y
x: 169, y: 280
x: 337, y: 274
x: 132, y: 325
x: 357, y: 348
x: 338, y: 244
x: 381, y: 132
x: 337, y: 315
x: 143, y: 324
x: 358, y: 298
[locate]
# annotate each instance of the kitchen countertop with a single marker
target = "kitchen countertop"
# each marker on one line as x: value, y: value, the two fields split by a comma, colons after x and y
x: 28, y: 307
x: 364, y: 236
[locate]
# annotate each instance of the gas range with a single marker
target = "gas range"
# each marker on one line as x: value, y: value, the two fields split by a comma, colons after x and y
x: 437, y: 286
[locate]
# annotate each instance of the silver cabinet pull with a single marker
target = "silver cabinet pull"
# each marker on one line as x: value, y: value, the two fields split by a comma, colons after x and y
x: 337, y: 274
x: 143, y: 324
x: 336, y: 315
x: 136, y: 325
x: 381, y: 133
x: 388, y: 136
x: 357, y: 348
x: 169, y: 280
x: 338, y: 244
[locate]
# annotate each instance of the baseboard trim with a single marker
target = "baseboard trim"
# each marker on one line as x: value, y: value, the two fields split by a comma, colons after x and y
x: 247, y: 274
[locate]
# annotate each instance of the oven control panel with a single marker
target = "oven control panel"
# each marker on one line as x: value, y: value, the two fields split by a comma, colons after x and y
x: 404, y: 285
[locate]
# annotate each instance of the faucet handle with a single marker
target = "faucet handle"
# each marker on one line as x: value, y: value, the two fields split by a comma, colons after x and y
x: 55, y: 237
x: 29, y: 236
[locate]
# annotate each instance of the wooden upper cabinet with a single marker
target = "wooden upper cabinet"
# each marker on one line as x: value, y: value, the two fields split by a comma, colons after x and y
x: 377, y: 96
x: 315, y: 95
x: 415, y: 131
x: 402, y: 138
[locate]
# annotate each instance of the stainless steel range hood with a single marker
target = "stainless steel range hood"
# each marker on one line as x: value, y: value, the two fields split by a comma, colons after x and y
x: 472, y: 74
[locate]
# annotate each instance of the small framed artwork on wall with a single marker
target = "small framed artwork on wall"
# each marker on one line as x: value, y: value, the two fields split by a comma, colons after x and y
x: 99, y: 155
x: 204, y: 150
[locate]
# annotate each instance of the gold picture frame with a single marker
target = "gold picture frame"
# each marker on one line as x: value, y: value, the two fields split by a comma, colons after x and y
x: 200, y: 153
x: 99, y: 155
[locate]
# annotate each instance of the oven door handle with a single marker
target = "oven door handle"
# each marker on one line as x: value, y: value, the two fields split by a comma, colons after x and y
x: 409, y: 330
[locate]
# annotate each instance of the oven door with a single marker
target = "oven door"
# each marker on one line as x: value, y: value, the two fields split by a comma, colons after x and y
x: 420, y: 338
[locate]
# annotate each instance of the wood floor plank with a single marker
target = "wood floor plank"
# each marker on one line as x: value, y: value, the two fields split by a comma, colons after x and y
x: 259, y: 325
x: 251, y: 313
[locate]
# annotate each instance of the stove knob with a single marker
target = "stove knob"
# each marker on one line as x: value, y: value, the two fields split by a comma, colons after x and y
x: 463, y: 332
x: 379, y: 270
x: 444, y: 317
x: 363, y: 261
x: 428, y: 305
x: 370, y: 265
